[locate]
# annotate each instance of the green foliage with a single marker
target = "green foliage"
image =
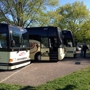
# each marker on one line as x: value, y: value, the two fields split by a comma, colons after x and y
x: 27, y: 13
x: 24, y: 12
x: 49, y: 18
x: 74, y: 16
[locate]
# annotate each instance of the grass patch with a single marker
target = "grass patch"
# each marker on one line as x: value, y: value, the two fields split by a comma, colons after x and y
x: 79, y: 80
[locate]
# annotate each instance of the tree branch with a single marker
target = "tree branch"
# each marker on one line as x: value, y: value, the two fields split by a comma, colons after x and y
x: 11, y: 12
x: 34, y: 15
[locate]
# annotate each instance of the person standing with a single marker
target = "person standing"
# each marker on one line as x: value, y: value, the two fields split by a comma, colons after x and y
x: 84, y: 50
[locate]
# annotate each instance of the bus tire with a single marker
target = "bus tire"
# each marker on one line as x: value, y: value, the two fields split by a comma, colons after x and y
x: 38, y: 56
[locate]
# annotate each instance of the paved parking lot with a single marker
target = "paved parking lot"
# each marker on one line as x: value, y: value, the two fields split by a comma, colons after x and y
x: 41, y: 72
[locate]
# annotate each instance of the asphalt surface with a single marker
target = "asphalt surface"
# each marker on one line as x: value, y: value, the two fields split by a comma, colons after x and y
x: 41, y: 72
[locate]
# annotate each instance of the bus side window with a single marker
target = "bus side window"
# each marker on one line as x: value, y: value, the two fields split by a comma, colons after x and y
x: 3, y: 41
x: 44, y: 42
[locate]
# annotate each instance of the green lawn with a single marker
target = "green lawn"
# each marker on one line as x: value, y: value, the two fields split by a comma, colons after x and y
x: 79, y: 80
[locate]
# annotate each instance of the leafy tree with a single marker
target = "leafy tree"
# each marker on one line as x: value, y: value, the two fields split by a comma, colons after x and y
x: 24, y: 12
x: 49, y: 18
x: 74, y: 16
x: 86, y: 31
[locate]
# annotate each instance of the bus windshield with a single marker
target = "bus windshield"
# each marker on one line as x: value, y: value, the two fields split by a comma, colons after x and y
x: 19, y: 37
x: 68, y: 41
x: 68, y: 38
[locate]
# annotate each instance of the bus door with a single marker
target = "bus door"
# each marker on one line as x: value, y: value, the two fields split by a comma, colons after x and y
x: 45, y: 48
x: 53, y: 43
x: 49, y: 49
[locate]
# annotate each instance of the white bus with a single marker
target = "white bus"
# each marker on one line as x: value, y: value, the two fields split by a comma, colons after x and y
x: 14, y: 47
x: 46, y: 43
x: 68, y: 40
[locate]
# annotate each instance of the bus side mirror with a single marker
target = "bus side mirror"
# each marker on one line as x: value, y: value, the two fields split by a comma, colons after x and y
x: 50, y: 43
x: 12, y: 43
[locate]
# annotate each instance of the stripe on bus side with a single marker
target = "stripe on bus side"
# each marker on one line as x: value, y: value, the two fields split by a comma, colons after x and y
x: 11, y: 64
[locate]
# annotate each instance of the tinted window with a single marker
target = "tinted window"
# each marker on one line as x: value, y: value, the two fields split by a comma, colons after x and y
x: 3, y: 41
x: 3, y: 28
x: 68, y: 38
x: 25, y: 38
x: 52, y: 32
x: 15, y: 36
x: 35, y: 37
x: 67, y: 34
x: 44, y: 42
x: 3, y: 35
x: 37, y: 31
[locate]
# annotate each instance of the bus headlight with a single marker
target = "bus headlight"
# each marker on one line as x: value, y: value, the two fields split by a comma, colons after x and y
x: 12, y: 60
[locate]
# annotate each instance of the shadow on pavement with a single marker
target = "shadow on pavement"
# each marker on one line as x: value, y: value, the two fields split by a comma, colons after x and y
x: 68, y: 87
x: 28, y: 88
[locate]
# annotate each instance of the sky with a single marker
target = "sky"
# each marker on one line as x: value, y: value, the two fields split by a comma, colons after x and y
x: 86, y: 2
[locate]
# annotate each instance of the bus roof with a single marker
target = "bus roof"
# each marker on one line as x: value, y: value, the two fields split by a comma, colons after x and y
x: 44, y: 27
x: 42, y: 31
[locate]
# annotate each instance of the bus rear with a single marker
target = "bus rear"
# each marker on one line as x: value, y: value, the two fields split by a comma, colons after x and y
x: 14, y: 47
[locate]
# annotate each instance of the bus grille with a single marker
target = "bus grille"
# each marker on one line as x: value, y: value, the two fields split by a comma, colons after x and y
x: 22, y: 58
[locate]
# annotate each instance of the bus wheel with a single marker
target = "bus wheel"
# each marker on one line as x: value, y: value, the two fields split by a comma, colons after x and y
x: 38, y: 57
